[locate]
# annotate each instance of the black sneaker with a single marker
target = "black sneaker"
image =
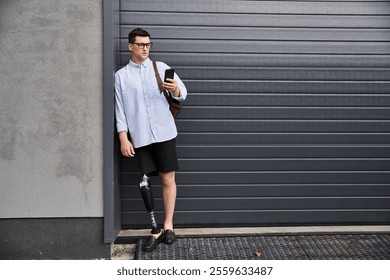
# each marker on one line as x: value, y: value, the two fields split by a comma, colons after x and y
x: 169, y: 237
x: 151, y: 243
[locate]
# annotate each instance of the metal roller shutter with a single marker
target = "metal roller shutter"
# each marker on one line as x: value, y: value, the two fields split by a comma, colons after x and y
x: 287, y: 118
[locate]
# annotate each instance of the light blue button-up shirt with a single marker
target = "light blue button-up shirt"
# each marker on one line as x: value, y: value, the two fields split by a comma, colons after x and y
x: 140, y: 108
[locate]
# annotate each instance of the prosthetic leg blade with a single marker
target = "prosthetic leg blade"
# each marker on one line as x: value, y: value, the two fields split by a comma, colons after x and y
x: 147, y: 196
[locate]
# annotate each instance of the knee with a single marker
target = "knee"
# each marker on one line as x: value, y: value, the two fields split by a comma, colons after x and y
x: 168, y: 179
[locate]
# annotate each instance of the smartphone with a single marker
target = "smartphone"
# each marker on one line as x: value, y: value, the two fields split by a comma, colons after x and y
x: 169, y: 74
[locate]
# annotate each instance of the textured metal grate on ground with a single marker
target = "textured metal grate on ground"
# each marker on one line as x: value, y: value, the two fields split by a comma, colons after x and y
x: 274, y: 247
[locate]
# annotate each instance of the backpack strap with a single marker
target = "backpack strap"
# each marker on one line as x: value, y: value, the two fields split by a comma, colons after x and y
x: 158, y: 78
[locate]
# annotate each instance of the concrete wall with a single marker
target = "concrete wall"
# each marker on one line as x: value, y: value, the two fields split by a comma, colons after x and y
x: 51, y: 108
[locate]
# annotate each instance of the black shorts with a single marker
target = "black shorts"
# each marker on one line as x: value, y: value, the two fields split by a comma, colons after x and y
x: 158, y: 157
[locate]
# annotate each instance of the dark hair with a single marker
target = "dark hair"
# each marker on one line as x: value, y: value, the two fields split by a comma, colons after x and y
x: 137, y: 32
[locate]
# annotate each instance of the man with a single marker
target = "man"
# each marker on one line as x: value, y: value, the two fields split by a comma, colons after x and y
x: 145, y: 124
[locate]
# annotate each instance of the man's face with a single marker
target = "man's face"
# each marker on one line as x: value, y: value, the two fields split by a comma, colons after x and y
x: 140, y: 51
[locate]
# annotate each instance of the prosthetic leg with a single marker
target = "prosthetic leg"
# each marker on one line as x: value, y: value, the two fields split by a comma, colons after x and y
x: 147, y: 195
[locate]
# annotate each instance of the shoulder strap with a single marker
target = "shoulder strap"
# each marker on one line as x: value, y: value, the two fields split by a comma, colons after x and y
x: 159, y: 82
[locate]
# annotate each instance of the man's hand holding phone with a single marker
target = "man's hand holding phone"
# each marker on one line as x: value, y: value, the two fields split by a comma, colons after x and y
x: 169, y: 83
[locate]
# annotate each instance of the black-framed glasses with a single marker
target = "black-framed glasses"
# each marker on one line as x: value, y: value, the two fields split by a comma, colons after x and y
x: 143, y: 45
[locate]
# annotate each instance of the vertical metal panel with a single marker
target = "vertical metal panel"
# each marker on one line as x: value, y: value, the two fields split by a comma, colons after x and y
x: 287, y: 118
x: 112, y: 197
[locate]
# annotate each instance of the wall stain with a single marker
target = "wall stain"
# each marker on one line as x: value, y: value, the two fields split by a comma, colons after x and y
x: 8, y: 142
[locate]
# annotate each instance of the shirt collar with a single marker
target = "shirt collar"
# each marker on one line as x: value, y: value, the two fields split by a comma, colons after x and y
x: 145, y: 64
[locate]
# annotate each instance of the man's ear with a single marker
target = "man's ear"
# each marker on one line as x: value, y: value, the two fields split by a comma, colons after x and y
x: 130, y: 46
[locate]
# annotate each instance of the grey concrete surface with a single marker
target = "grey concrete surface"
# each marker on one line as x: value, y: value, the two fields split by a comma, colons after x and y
x: 51, y: 108
x: 52, y: 239
x: 259, y: 230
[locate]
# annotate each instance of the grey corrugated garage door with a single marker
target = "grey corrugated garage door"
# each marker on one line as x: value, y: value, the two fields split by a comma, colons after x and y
x: 287, y: 118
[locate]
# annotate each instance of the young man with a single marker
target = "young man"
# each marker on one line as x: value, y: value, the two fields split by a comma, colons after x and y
x: 145, y: 124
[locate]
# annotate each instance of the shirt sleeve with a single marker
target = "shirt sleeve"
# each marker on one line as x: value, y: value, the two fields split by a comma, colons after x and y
x: 183, y: 89
x: 121, y: 123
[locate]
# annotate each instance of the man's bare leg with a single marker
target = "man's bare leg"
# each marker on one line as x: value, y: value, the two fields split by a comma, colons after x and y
x: 169, y: 195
